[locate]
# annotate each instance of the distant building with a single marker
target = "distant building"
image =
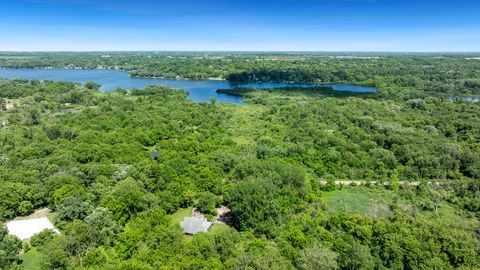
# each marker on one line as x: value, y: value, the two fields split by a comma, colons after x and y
x: 193, y: 225
x: 155, y: 154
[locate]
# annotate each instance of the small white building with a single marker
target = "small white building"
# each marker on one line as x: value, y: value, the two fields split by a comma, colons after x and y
x: 193, y: 225
x: 26, y: 227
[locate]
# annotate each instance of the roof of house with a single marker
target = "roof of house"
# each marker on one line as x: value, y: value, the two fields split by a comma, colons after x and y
x: 26, y: 228
x: 193, y: 225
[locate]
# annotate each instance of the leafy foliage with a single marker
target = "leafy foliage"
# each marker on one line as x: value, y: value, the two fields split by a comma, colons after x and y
x: 273, y: 161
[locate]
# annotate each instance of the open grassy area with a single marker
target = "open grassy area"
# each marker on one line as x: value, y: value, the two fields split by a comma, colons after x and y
x: 376, y: 202
x: 31, y: 260
x: 245, y: 123
x: 366, y: 201
x: 178, y: 216
x: 219, y: 228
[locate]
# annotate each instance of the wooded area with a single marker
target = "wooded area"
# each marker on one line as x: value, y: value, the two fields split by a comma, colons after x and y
x: 86, y: 155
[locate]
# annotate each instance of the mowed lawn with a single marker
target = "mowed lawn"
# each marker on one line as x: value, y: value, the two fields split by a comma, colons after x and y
x: 178, y: 216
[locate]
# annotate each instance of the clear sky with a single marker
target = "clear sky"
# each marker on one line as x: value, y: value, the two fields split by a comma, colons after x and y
x: 240, y: 25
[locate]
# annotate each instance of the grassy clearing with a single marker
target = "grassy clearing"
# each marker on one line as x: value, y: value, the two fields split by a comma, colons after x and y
x: 32, y: 260
x: 178, y: 216
x: 218, y: 228
x: 366, y: 201
x: 376, y: 201
x: 245, y: 123
x: 453, y: 216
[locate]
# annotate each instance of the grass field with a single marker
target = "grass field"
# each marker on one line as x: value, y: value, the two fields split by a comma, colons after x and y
x: 366, y: 201
x: 245, y: 123
x: 219, y: 228
x: 376, y: 202
x: 31, y: 260
x: 178, y: 216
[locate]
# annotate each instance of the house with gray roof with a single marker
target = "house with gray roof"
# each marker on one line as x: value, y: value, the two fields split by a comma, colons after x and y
x: 193, y: 225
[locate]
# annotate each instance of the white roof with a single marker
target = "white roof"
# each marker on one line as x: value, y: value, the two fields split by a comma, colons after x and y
x: 25, y: 229
x: 193, y: 225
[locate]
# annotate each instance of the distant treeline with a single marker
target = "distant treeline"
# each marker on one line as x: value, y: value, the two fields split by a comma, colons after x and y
x: 304, y: 76
x: 412, y: 76
x: 320, y: 90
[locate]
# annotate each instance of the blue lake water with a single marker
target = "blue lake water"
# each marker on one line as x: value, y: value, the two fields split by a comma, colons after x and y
x: 199, y: 90
x: 465, y: 98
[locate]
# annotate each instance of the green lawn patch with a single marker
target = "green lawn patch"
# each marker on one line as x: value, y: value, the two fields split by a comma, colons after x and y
x: 219, y: 228
x: 366, y: 201
x: 32, y: 260
x: 178, y: 216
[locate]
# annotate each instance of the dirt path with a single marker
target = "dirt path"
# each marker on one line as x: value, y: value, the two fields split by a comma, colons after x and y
x: 376, y: 183
x: 40, y: 213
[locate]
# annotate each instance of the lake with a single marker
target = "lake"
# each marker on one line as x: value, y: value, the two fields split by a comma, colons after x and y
x: 199, y: 90
x: 465, y: 98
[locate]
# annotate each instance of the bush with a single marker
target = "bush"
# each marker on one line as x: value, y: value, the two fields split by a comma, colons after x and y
x: 207, y: 203
x: 42, y: 238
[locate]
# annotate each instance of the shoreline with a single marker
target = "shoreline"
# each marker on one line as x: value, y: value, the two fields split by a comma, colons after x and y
x: 184, y: 79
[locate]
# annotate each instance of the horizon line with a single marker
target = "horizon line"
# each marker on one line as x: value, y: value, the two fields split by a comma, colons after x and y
x: 226, y: 51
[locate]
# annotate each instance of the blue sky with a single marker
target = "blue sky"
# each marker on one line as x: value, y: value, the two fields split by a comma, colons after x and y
x: 242, y: 25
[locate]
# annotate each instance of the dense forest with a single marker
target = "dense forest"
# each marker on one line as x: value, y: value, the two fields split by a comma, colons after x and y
x: 276, y: 162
